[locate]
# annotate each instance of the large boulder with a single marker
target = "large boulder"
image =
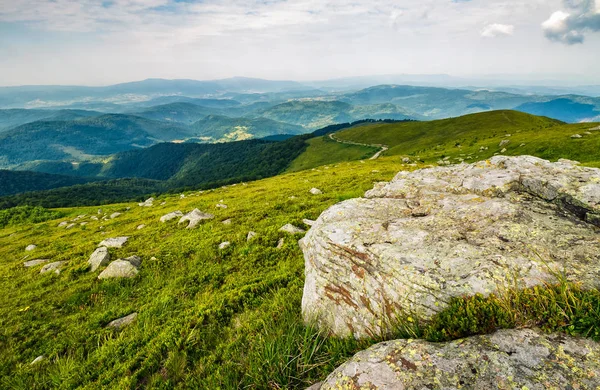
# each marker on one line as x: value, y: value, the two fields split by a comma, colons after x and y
x: 508, y: 359
x: 119, y: 269
x: 194, y: 217
x: 99, y: 258
x: 433, y: 234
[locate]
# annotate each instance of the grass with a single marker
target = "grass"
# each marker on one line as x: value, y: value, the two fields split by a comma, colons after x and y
x: 211, y: 318
x: 323, y: 151
x: 467, y: 137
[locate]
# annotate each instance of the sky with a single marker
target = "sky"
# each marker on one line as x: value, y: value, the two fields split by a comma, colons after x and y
x: 101, y: 42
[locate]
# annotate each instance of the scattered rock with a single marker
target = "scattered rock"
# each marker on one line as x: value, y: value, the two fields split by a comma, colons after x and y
x: 171, y: 215
x: 291, y: 229
x: 504, y: 142
x: 522, y: 145
x: 99, y: 258
x: 114, y: 215
x: 140, y: 227
x: 70, y: 226
x: 507, y: 359
x: 33, y: 263
x: 38, y: 359
x: 406, y: 160
x: 163, y: 203
x: 292, y: 197
x: 576, y: 136
x: 115, y: 242
x: 135, y: 260
x: 119, y: 269
x: 316, y: 191
x: 224, y: 245
x: 226, y: 222
x: 595, y: 128
x: 122, y: 322
x: 63, y: 224
x: 375, y: 171
x: 195, y: 217
x: 250, y: 236
x: 182, y: 196
x: 83, y: 223
x: 503, y: 150
x: 221, y: 206
x: 587, y: 133
x: 308, y: 222
x: 99, y: 211
x: 147, y: 203
x: 485, y: 223
x: 52, y: 267
x: 30, y: 248
x: 280, y: 243
x: 316, y: 386
x: 93, y: 217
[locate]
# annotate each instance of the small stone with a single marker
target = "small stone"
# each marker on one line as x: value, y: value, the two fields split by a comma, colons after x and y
x: 140, y: 227
x: 114, y: 215
x: 250, y: 236
x: 119, y: 269
x: 171, y: 215
x: 93, y: 217
x: 503, y: 150
x: 195, y: 217
x: 221, y: 206
x: 83, y: 223
x: 224, y: 245
x: 406, y: 160
x: 182, y: 196
x: 122, y: 322
x: 33, y: 263
x: 316, y: 191
x: 522, y: 145
x: 99, y: 258
x: 115, y: 242
x: 63, y: 224
x: 147, y: 203
x: 52, y: 267
x: 38, y: 359
x: 504, y: 142
x: 30, y: 248
x: 280, y: 243
x: 575, y: 136
x: 226, y: 222
x: 70, y: 226
x: 587, y: 133
x: 291, y: 229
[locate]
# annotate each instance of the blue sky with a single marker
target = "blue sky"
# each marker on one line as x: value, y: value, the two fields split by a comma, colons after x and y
x: 95, y: 42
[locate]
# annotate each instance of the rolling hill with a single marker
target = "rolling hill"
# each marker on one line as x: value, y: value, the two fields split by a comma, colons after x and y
x: 15, y: 117
x: 224, y: 129
x: 14, y: 182
x: 567, y: 109
x: 82, y: 139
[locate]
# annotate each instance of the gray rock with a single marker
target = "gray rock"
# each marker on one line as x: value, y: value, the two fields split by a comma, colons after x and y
x: 38, y: 359
x: 280, y: 243
x: 227, y: 222
x: 444, y: 232
x: 147, y: 203
x: 406, y: 160
x: 171, y: 215
x: 56, y: 266
x: 119, y: 269
x: 114, y: 215
x: 63, y: 224
x: 250, y: 236
x: 221, y: 206
x: 308, y: 222
x: 99, y: 258
x: 94, y: 218
x: 504, y: 142
x: 135, y: 260
x: 316, y: 191
x: 502, y: 151
x: 195, y: 217
x: 115, y: 242
x: 508, y: 359
x: 316, y: 386
x: 122, y: 322
x: 70, y: 226
x: 576, y: 136
x: 140, y: 227
x: 30, y: 248
x: 224, y: 245
x: 33, y: 263
x: 291, y: 229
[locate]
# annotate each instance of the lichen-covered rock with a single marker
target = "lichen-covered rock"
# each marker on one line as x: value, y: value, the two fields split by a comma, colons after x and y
x: 508, y: 359
x: 33, y: 263
x: 115, y: 242
x: 171, y: 215
x: 119, y: 269
x: 195, y: 217
x: 99, y: 258
x: 56, y: 266
x: 433, y: 234
x: 122, y: 322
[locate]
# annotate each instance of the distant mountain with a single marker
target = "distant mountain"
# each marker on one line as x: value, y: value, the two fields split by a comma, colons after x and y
x: 83, y: 139
x: 208, y: 103
x: 566, y: 109
x: 16, y: 117
x: 186, y: 113
x: 14, y: 182
x: 224, y: 129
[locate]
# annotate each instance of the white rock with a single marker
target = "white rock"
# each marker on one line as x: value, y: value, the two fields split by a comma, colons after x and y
x: 122, y: 322
x: 227, y: 222
x: 291, y: 229
x: 56, y: 266
x: 114, y: 215
x: 147, y: 203
x: 195, y: 217
x: 280, y: 243
x: 63, y: 224
x: 224, y: 245
x: 119, y: 269
x: 38, y: 359
x: 33, y: 263
x: 140, y: 227
x: 171, y: 215
x: 316, y: 191
x: 221, y: 206
x: 576, y: 136
x: 115, y: 242
x: 30, y: 248
x: 250, y: 236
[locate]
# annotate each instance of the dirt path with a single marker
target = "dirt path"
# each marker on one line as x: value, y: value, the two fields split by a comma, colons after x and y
x: 382, y: 149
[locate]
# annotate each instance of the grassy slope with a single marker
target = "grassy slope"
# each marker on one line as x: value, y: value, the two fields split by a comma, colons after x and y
x: 203, y: 311
x: 323, y: 150
x: 463, y: 137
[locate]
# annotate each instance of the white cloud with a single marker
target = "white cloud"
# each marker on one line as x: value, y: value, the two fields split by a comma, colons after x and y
x: 571, y: 27
x: 496, y: 29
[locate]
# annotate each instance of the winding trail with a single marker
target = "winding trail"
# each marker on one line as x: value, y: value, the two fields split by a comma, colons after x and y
x: 382, y: 149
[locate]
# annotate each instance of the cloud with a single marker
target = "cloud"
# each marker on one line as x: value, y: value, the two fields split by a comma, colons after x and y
x: 570, y: 27
x: 497, y: 29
